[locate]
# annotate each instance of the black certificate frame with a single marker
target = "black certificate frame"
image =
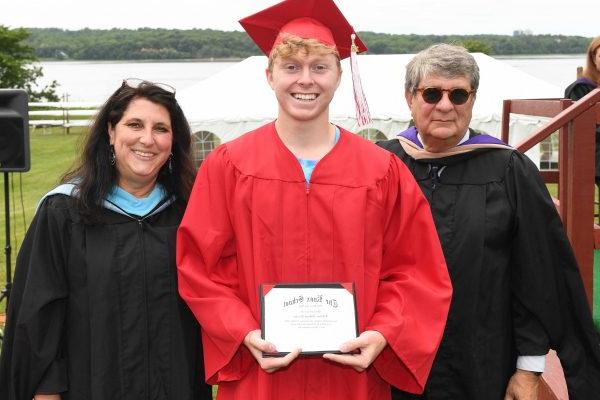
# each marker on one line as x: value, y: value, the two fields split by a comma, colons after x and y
x: 266, y: 287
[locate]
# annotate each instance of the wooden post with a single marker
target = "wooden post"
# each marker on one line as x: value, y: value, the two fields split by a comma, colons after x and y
x: 580, y: 194
x: 505, y: 121
x: 563, y: 180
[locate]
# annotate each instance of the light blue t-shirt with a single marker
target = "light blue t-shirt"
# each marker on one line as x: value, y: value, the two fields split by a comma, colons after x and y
x: 308, y: 166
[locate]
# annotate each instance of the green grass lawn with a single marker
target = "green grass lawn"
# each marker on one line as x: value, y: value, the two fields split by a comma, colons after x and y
x: 596, y: 307
x: 52, y: 153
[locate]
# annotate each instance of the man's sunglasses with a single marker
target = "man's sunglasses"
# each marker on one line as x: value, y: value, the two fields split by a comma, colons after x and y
x: 433, y: 95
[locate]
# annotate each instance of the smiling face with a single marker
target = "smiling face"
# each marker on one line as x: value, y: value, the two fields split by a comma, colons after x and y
x: 441, y: 125
x: 142, y: 140
x: 304, y: 84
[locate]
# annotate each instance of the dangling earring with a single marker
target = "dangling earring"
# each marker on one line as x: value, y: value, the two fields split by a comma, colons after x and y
x: 171, y: 163
x: 113, y: 156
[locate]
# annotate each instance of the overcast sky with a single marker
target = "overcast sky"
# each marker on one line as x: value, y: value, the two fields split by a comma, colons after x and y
x: 387, y: 16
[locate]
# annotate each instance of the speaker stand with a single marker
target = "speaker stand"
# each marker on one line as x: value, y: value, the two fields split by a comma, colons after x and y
x: 5, y: 294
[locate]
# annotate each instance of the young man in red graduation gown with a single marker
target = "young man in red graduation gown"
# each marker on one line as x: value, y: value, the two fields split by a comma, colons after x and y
x: 302, y: 200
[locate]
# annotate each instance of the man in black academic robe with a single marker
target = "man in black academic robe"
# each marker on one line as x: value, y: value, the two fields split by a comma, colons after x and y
x: 517, y: 287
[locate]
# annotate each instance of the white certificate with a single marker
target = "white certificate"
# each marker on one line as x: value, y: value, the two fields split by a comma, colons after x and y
x: 316, y: 318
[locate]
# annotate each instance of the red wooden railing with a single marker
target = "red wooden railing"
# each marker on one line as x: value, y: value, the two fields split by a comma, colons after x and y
x: 575, y: 123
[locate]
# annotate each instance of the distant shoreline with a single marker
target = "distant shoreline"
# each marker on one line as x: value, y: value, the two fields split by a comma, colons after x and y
x: 206, y: 45
x: 170, y: 60
x: 236, y: 59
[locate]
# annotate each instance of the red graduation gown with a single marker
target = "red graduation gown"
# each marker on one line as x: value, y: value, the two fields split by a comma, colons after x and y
x: 251, y: 219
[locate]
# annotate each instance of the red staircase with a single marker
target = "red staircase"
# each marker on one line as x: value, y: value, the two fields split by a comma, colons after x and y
x: 576, y: 124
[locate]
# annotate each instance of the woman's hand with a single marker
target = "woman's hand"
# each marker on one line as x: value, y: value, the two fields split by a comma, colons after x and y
x: 370, y: 344
x: 257, y: 345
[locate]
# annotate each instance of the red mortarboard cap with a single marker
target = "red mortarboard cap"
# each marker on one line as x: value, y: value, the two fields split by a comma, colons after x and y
x: 308, y: 19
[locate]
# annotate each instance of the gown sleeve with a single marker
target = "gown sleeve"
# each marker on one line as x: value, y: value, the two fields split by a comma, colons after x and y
x: 545, y: 281
x: 207, y: 272
x: 414, y: 290
x: 32, y: 358
x: 530, y: 335
x: 577, y: 90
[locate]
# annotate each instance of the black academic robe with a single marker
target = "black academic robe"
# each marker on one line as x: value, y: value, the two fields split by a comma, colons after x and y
x: 576, y: 91
x: 517, y: 287
x: 95, y: 313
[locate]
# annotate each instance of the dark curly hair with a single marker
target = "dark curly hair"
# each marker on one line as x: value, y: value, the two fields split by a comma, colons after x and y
x: 94, y: 175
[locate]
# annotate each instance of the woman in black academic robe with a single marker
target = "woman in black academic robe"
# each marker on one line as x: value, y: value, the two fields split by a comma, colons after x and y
x: 94, y: 312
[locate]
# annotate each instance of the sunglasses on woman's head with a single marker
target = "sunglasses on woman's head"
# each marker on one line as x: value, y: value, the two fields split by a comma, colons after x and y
x: 433, y: 95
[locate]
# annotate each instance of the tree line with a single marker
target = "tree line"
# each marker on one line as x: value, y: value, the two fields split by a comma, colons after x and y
x: 147, y: 43
x: 17, y: 65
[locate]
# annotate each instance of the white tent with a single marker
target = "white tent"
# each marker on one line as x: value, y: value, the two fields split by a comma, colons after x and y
x: 238, y: 99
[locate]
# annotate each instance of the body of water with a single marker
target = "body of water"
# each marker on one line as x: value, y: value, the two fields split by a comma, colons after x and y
x: 94, y: 81
x: 559, y: 70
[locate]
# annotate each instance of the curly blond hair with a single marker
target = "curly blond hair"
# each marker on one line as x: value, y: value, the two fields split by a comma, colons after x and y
x: 293, y: 45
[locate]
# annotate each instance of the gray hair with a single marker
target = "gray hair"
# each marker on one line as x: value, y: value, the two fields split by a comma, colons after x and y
x: 444, y: 60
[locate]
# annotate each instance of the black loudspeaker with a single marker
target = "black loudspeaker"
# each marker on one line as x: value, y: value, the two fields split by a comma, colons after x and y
x: 14, y: 131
